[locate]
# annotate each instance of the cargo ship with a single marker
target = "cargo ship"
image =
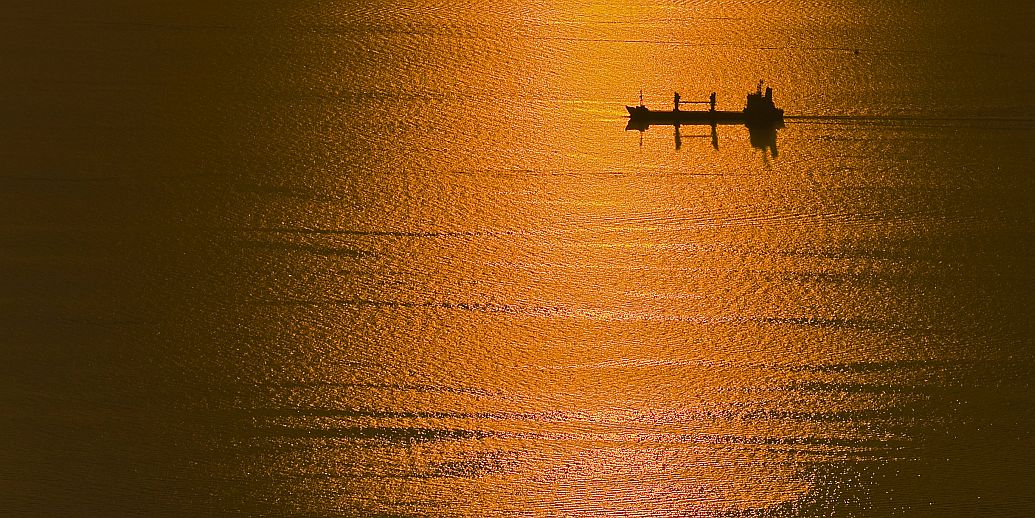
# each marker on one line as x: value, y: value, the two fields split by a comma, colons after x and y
x: 759, y: 110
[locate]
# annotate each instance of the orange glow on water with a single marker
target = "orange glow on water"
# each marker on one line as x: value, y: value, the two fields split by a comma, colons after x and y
x: 511, y: 304
x: 387, y: 258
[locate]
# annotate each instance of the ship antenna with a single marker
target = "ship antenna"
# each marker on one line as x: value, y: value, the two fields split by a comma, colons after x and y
x: 641, y: 96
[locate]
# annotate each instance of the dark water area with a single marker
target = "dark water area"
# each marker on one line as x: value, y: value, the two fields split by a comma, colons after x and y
x: 323, y: 258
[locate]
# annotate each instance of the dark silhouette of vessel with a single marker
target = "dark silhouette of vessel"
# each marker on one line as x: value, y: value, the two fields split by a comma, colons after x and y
x: 759, y: 111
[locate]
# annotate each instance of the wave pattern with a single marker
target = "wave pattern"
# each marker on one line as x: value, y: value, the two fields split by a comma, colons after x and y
x: 433, y: 275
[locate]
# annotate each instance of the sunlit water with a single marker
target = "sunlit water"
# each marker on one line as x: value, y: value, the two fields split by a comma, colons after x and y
x: 321, y: 259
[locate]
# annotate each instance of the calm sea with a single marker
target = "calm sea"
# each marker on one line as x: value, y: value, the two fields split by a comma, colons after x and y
x: 314, y: 258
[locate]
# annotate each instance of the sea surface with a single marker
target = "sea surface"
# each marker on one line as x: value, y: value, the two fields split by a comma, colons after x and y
x: 313, y: 258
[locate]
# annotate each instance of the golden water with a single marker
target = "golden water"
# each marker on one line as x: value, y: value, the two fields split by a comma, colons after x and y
x: 320, y: 259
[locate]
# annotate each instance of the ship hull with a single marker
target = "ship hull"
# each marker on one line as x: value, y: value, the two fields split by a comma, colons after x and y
x: 644, y: 115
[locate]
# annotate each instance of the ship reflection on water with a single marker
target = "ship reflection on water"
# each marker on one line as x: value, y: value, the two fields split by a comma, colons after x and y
x: 761, y: 136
